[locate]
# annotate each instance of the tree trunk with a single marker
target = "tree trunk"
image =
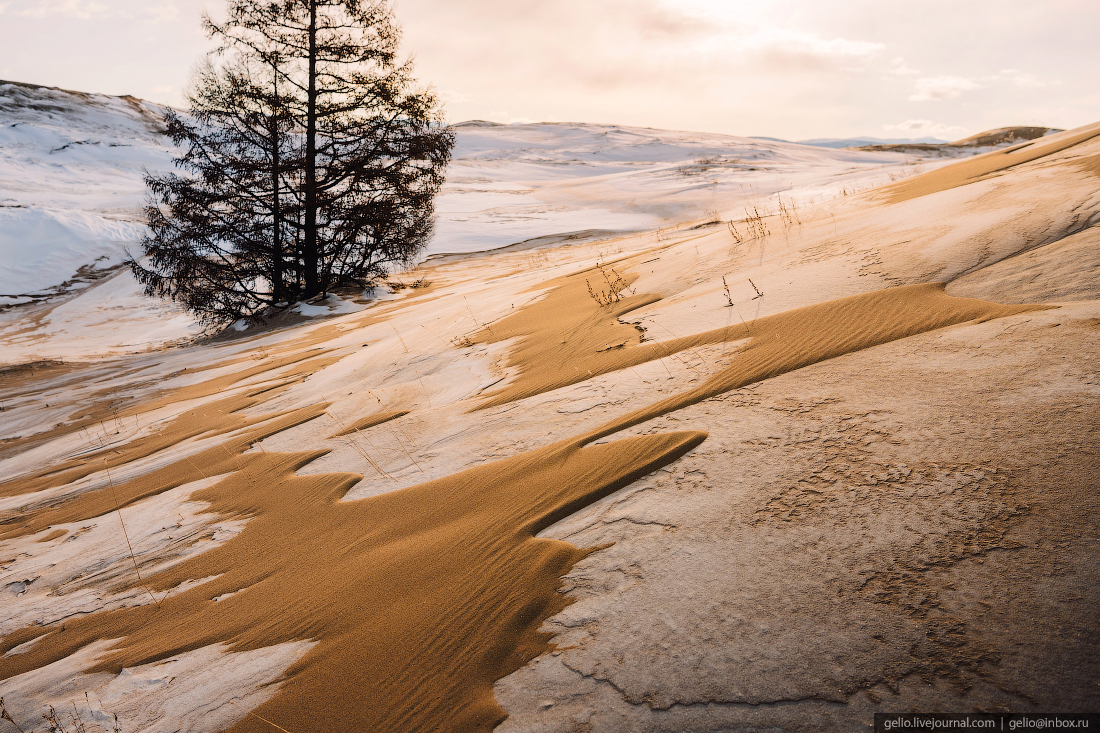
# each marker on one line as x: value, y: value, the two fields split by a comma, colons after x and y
x: 277, y: 289
x: 311, y: 258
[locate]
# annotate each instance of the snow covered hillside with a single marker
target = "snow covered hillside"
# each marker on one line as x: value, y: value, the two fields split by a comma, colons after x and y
x: 70, y: 185
x: 508, y: 183
x: 71, y: 193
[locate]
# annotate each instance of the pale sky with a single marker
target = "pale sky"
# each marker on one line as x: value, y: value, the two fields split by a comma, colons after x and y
x: 791, y: 69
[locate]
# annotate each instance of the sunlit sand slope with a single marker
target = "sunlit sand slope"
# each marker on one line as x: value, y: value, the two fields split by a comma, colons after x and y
x: 671, y: 481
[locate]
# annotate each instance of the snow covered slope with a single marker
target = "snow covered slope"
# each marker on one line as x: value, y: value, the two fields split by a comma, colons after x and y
x: 882, y: 495
x: 71, y: 193
x: 508, y: 183
x: 71, y: 185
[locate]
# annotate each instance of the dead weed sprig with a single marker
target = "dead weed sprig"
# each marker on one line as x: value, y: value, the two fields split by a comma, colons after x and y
x: 397, y: 285
x: 754, y: 224
x: 125, y: 534
x: 788, y: 213
x: 55, y: 724
x: 615, y: 287
x: 5, y: 715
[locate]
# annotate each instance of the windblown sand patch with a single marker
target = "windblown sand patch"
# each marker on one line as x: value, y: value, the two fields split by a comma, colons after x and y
x: 224, y: 458
x: 1064, y: 270
x: 419, y: 599
x: 210, y: 420
x: 425, y: 597
x: 980, y: 166
x: 105, y: 407
x: 566, y: 338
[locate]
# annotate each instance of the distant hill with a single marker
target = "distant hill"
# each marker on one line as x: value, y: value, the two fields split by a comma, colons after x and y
x: 858, y: 142
x: 1001, y: 136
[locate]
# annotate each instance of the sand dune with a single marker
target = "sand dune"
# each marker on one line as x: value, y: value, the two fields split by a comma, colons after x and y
x: 448, y: 634
x: 610, y: 484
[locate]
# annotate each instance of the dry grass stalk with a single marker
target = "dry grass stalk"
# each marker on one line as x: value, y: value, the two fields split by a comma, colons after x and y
x: 397, y: 285
x: 257, y: 717
x: 418, y: 468
x: 789, y: 213
x: 118, y: 508
x: 615, y: 288
x: 755, y: 226
x: 412, y: 442
x: 726, y: 288
x: 358, y: 447
x: 736, y: 234
x: 370, y: 460
x: 488, y: 326
x: 399, y: 338
x: 5, y: 715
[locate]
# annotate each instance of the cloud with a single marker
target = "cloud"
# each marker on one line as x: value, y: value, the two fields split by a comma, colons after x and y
x: 662, y: 22
x: 785, y: 49
x: 924, y: 128
x: 948, y: 87
x: 941, y: 87
x: 1024, y: 80
x: 452, y: 97
x: 82, y: 9
x: 88, y: 9
x: 900, y: 68
x: 163, y: 13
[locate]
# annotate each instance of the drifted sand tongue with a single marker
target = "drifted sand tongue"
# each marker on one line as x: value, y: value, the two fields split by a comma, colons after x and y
x: 804, y: 336
x: 220, y: 459
x: 209, y: 420
x: 563, y: 338
x: 419, y: 599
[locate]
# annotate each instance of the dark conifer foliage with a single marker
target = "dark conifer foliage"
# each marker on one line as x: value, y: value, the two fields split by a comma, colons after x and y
x: 311, y: 161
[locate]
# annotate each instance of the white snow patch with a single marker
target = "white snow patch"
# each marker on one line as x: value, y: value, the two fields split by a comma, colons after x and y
x: 44, y: 247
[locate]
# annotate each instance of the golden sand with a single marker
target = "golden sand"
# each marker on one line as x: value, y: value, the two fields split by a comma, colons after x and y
x: 223, y: 458
x: 421, y: 598
x: 103, y: 410
x: 212, y: 419
x: 566, y: 338
x: 974, y: 169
